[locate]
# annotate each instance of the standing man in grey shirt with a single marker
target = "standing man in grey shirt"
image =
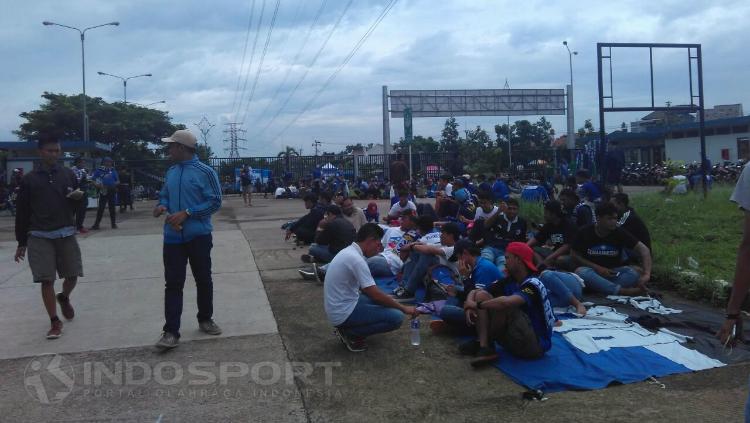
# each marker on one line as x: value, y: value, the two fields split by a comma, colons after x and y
x: 46, y: 227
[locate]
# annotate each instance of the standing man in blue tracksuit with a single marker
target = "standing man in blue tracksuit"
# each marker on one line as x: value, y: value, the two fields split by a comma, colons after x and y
x: 191, y: 194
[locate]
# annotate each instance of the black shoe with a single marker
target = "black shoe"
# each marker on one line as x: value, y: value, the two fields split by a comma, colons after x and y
x: 67, y: 310
x: 485, y: 356
x: 167, y: 341
x: 307, y: 275
x: 307, y: 258
x: 352, y: 343
x: 114, y: 226
x: 469, y: 347
x: 401, y: 295
x: 95, y: 228
x: 210, y: 327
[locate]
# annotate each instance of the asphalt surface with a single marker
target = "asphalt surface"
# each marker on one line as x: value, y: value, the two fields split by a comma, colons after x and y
x: 300, y: 372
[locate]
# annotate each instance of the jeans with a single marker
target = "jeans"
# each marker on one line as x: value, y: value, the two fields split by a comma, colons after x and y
x: 321, y: 253
x: 369, y: 318
x: 105, y: 198
x: 379, y: 267
x: 176, y: 257
x: 627, y: 278
x: 416, y: 269
x: 561, y: 287
x: 496, y: 256
x: 452, y: 311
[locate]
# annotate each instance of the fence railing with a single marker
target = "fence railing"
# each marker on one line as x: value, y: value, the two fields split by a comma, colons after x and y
x: 526, y: 164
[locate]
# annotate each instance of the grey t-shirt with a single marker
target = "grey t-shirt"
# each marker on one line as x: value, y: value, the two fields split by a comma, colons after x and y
x: 741, y: 194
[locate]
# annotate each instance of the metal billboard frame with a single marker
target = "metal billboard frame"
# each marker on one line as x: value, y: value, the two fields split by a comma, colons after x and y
x: 692, y: 108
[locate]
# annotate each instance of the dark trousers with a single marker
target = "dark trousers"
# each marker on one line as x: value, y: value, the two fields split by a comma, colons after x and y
x: 81, y: 211
x: 176, y: 257
x: 106, y: 198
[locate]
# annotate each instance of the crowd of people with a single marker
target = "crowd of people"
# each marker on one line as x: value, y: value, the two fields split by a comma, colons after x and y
x: 472, y: 260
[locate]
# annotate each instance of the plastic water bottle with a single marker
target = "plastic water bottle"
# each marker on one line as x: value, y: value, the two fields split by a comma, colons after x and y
x: 415, y: 340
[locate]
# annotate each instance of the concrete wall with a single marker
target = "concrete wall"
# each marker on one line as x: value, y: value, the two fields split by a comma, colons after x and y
x: 689, y: 149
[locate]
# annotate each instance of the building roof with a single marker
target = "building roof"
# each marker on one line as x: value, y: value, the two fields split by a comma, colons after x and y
x: 661, y: 132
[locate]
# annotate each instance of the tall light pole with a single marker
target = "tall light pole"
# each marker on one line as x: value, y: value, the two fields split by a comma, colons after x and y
x: 82, y: 32
x: 571, y: 117
x: 124, y: 82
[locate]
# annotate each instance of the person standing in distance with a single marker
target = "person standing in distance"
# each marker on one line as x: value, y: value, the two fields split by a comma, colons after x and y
x: 106, y: 180
x: 45, y: 225
x: 191, y: 194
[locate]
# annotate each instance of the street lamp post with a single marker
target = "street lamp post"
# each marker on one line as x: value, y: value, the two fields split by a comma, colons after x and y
x: 124, y: 83
x: 571, y: 117
x: 82, y: 32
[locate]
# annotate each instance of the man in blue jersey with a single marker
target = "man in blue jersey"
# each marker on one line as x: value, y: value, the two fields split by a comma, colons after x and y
x: 191, y: 194
x: 520, y: 320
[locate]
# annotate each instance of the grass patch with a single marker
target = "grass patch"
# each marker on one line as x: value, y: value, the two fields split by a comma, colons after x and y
x: 682, y: 226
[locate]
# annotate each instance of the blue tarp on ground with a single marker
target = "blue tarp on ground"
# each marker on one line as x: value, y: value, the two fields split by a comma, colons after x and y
x: 565, y: 367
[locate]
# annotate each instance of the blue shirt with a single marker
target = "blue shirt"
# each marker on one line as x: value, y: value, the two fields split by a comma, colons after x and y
x: 538, y: 308
x: 108, y: 176
x: 500, y: 191
x: 590, y: 191
x: 485, y: 273
x: 193, y: 186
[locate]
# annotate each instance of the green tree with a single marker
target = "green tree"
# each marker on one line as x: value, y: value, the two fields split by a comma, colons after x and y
x: 128, y: 129
x: 588, y: 129
x: 449, y: 136
x: 419, y: 144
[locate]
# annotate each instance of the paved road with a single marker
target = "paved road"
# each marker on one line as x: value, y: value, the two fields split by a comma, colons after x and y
x: 277, y: 364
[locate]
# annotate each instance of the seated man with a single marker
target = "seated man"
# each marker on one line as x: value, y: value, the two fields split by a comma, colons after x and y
x: 580, y: 213
x: 430, y: 250
x: 587, y: 190
x: 354, y: 215
x: 479, y: 273
x: 334, y: 234
x: 598, y: 250
x: 355, y: 306
x: 401, y: 206
x: 629, y: 220
x: 487, y: 207
x: 305, y: 227
x: 520, y: 320
x: 558, y: 232
x: 388, y: 262
x: 500, y: 230
x: 564, y: 289
x: 500, y: 191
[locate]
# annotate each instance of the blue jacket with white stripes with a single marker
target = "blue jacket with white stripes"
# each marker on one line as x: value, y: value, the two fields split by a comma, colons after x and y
x: 192, y: 186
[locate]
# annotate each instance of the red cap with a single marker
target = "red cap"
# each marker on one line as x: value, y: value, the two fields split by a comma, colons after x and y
x: 523, y: 252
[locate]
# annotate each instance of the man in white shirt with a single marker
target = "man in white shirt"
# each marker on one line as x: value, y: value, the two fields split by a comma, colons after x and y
x: 487, y: 207
x: 388, y: 262
x: 403, y: 206
x: 354, y: 315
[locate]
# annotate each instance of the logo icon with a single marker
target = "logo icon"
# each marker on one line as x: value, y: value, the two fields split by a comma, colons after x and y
x: 49, y: 379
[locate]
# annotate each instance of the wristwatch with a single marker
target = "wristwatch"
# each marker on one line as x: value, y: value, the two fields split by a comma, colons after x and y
x: 188, y: 212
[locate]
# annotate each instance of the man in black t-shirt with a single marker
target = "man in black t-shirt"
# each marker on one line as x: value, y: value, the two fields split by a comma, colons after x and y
x: 552, y: 243
x: 334, y: 233
x: 598, y: 250
x: 629, y: 220
x: 500, y: 230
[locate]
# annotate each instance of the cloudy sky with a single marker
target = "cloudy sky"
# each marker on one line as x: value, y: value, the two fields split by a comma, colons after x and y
x: 195, y: 50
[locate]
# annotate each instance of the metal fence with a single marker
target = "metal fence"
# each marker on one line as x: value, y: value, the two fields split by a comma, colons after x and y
x: 147, y: 176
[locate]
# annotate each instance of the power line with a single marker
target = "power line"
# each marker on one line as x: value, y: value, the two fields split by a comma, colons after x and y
x: 351, y: 54
x: 252, y: 58
x: 244, y: 54
x: 307, y: 70
x: 262, y: 58
x: 296, y: 58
